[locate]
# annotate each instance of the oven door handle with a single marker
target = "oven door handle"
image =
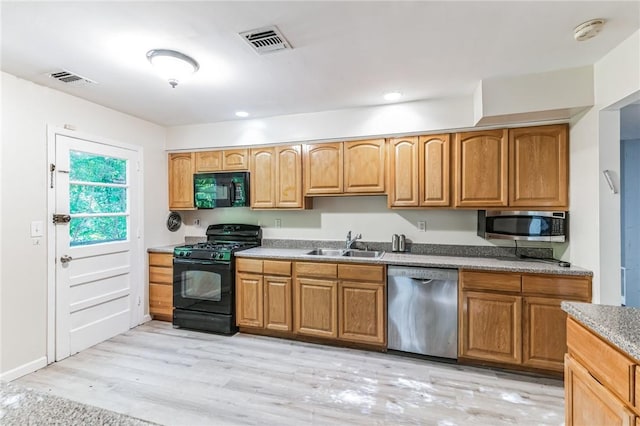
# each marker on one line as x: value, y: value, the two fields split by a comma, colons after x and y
x: 196, y: 262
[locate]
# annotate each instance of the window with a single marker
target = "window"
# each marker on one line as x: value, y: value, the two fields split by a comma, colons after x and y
x: 98, y: 198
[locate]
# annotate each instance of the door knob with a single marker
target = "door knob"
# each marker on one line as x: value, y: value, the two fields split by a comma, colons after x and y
x: 65, y: 259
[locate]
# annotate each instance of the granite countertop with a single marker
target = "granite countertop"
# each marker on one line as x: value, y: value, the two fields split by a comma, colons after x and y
x: 618, y: 325
x: 404, y: 259
x: 163, y: 249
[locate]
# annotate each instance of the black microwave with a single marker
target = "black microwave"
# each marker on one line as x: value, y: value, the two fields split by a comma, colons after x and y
x: 528, y: 226
x: 213, y: 190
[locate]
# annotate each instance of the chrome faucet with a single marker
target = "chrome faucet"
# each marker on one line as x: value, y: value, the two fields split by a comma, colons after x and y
x: 350, y: 241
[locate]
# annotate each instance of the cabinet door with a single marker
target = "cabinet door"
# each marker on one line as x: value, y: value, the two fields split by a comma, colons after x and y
x: 491, y: 327
x: 361, y: 312
x: 323, y: 168
x: 364, y: 166
x: 161, y: 301
x: 263, y: 178
x: 403, y: 187
x: 434, y: 170
x: 249, y: 300
x: 277, y: 303
x: 181, y: 168
x: 539, y: 167
x: 481, y: 168
x: 590, y: 403
x: 208, y: 161
x: 544, y: 334
x: 288, y: 187
x: 316, y: 307
x: 235, y: 159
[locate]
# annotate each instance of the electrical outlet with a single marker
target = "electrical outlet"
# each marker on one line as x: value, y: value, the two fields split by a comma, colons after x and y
x: 196, y: 222
x: 278, y: 223
x: 422, y: 225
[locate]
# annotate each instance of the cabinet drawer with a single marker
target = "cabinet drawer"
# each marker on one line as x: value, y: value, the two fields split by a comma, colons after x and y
x: 249, y: 265
x: 610, y: 367
x: 361, y: 272
x: 470, y: 280
x: 161, y: 259
x: 310, y: 269
x: 160, y: 275
x: 568, y: 287
x: 277, y: 267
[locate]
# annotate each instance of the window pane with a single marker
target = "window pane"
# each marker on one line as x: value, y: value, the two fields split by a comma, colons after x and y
x: 94, y: 230
x: 95, y: 168
x: 97, y: 199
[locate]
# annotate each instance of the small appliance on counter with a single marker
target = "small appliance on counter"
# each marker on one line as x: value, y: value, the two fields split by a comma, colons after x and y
x: 204, y: 278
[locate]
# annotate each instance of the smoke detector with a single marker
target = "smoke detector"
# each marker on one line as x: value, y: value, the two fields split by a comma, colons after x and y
x: 266, y: 39
x: 67, y: 77
x: 588, y: 29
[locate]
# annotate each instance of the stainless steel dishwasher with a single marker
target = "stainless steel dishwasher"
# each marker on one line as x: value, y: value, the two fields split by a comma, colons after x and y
x: 423, y: 310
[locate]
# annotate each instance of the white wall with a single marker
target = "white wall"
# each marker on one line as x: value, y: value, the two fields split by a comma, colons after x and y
x: 595, y: 147
x: 27, y: 109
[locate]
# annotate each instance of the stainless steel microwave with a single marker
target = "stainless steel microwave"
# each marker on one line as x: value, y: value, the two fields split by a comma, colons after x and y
x: 528, y: 226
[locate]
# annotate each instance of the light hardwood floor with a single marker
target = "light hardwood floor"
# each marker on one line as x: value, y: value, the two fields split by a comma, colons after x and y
x: 180, y: 377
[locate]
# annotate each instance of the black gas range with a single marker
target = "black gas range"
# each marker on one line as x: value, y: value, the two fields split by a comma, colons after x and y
x: 204, y: 278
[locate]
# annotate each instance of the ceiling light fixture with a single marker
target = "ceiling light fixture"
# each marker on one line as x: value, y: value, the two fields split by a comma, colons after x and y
x: 392, y: 96
x: 172, y: 65
x: 588, y: 29
x: 242, y: 114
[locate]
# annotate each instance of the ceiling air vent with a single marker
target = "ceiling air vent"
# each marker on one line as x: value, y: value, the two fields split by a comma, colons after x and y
x: 68, y: 77
x: 266, y: 40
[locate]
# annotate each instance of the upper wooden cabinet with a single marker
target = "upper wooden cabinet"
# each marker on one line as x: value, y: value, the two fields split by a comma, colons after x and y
x: 539, y: 167
x: 419, y: 171
x: 481, y: 168
x: 276, y: 177
x: 181, y: 169
x: 356, y: 167
x: 323, y: 165
x: 223, y: 160
x: 364, y: 168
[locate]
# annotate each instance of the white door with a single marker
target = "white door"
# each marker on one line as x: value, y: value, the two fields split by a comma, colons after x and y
x: 95, y: 185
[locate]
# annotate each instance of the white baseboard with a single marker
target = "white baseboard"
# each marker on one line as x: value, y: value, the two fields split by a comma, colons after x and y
x: 146, y: 318
x: 24, y: 369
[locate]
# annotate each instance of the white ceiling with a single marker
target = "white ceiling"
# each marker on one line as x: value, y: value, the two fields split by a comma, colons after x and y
x: 345, y: 54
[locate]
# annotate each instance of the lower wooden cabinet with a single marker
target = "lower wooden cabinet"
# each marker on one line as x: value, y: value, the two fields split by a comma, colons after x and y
x: 491, y: 326
x: 515, y: 319
x: 161, y: 286
x: 263, y: 294
x: 341, y: 301
x: 362, y: 312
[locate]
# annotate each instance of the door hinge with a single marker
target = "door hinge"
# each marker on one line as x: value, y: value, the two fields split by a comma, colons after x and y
x: 61, y: 218
x: 52, y: 168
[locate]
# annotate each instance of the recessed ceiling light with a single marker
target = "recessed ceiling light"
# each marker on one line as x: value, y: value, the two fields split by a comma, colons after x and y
x: 242, y: 114
x: 392, y: 96
x: 172, y: 65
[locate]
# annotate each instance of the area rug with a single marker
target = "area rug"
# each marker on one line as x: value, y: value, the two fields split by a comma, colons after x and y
x: 24, y: 406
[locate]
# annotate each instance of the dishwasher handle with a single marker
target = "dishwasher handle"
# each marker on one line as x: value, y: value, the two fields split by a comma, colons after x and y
x: 423, y: 282
x: 422, y: 274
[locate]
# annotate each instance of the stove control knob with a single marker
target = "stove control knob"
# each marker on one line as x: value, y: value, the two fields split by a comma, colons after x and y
x: 188, y: 254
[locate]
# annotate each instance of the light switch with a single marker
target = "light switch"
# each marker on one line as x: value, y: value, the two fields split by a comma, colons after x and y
x: 37, y: 228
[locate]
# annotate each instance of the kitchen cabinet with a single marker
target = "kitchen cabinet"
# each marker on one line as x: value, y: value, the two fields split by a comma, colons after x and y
x: 181, y: 170
x: 481, y: 168
x: 161, y: 286
x: 263, y: 294
x: 361, y: 304
x: 539, y: 167
x: 599, y: 380
x: 356, y: 167
x: 276, y: 178
x: 516, y: 319
x: 341, y: 301
x: 222, y: 160
x: 419, y: 171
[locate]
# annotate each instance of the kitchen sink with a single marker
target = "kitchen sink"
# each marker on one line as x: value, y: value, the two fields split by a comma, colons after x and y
x: 326, y: 252
x: 363, y: 253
